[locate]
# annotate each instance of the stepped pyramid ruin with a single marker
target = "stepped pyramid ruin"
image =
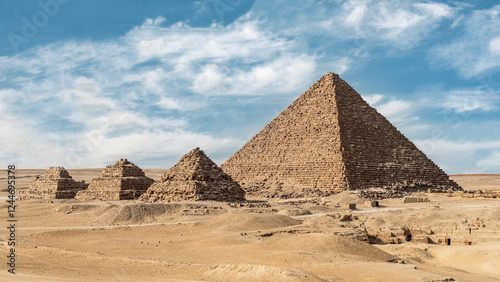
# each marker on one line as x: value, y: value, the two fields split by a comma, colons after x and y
x: 120, y: 181
x: 330, y: 140
x: 195, y: 177
x: 56, y: 183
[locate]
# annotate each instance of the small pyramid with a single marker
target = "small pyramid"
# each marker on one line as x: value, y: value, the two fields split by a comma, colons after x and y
x: 329, y: 140
x: 56, y: 183
x: 120, y: 181
x: 194, y: 177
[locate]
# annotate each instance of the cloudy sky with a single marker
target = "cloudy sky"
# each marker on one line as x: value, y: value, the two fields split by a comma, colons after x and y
x: 86, y: 82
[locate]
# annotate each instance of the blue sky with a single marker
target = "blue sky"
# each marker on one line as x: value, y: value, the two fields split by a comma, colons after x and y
x: 84, y: 83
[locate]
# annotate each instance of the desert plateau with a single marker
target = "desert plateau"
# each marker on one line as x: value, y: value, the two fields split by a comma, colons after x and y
x: 313, y: 239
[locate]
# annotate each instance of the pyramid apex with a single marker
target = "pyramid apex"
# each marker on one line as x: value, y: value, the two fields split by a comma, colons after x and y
x: 330, y: 75
x: 196, y: 151
x: 328, y: 80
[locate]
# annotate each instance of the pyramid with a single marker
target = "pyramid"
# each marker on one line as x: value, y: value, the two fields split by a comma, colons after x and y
x: 195, y: 177
x: 56, y: 183
x: 329, y: 140
x: 120, y: 181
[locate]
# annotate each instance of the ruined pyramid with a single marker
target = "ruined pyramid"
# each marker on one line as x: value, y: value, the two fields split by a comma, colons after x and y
x: 330, y: 140
x: 195, y: 177
x: 56, y: 183
x: 120, y: 181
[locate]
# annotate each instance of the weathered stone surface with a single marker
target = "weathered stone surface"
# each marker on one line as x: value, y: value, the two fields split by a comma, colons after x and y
x: 120, y: 181
x: 195, y: 177
x: 330, y: 140
x: 56, y: 183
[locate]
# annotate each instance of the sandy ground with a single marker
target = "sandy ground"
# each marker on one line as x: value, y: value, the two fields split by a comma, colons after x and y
x: 477, y: 181
x: 263, y: 240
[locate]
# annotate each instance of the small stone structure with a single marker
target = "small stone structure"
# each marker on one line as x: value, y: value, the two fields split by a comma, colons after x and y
x: 195, y: 177
x: 120, y: 181
x: 415, y: 200
x: 330, y: 140
x: 371, y: 204
x: 348, y: 206
x: 56, y: 183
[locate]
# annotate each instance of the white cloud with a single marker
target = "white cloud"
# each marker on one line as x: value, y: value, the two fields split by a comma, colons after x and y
x: 137, y: 146
x: 477, y: 50
x: 494, y: 46
x: 154, y: 22
x: 169, y: 103
x: 342, y: 65
x: 401, y: 113
x: 398, y: 111
x: 461, y: 101
x: 346, y: 34
x: 461, y: 156
x: 435, y: 10
x: 490, y: 163
x: 243, y: 40
x: 395, y: 109
x: 373, y: 99
x: 280, y: 76
x: 400, y: 24
x: 137, y: 91
x: 447, y: 146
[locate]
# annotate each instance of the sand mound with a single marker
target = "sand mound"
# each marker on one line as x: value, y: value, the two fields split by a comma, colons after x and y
x: 251, y: 222
x: 483, y: 259
x: 325, y: 243
x: 136, y: 213
x: 77, y: 208
x: 353, y: 197
x: 252, y: 272
x: 294, y: 212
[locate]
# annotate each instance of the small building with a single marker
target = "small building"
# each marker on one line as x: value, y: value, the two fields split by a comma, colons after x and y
x: 371, y: 204
x: 349, y: 206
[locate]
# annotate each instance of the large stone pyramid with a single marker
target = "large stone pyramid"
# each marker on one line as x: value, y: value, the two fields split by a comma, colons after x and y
x: 195, y: 177
x: 56, y: 183
x: 329, y: 140
x: 120, y: 181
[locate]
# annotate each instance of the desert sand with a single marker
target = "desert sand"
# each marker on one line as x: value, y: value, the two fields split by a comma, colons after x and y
x: 261, y: 240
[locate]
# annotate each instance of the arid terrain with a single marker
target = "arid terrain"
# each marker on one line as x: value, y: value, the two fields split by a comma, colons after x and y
x: 261, y: 240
